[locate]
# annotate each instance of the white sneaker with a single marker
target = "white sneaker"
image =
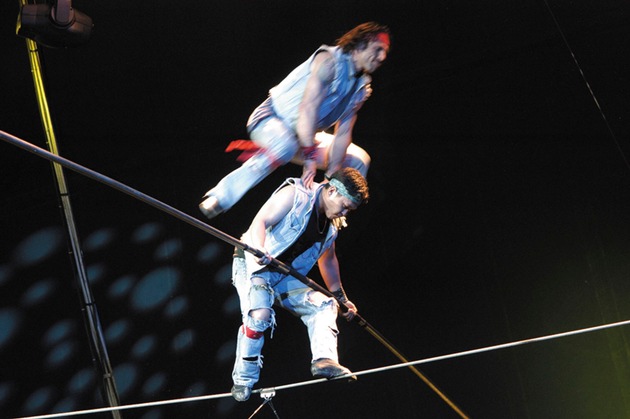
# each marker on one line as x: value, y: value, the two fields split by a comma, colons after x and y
x: 241, y: 393
x: 210, y: 207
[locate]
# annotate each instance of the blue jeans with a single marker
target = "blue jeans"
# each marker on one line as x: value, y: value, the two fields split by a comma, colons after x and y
x: 280, y: 146
x: 317, y: 311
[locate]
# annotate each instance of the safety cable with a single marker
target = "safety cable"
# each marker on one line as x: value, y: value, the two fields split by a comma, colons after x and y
x: 267, y: 396
x: 588, y: 86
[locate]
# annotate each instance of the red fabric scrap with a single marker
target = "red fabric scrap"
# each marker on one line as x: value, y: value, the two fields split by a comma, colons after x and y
x: 247, y: 147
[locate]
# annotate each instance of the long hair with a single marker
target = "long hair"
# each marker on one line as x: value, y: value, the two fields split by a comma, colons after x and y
x: 361, y: 35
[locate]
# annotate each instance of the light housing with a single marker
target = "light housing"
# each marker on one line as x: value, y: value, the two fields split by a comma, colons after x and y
x: 55, y: 25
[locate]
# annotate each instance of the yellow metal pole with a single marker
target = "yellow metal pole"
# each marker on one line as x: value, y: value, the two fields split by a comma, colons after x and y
x: 90, y: 314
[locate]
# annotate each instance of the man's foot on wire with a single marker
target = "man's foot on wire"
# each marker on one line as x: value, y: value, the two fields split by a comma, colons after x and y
x: 241, y: 393
x: 327, y: 368
x: 210, y: 207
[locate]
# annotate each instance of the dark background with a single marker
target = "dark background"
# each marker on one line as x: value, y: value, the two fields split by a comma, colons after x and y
x: 500, y: 183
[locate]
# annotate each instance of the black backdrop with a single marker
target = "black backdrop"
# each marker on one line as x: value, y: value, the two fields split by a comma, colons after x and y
x: 500, y: 198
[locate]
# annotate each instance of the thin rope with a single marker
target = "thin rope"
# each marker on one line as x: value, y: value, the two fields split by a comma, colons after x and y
x: 588, y: 86
x: 258, y: 409
x: 272, y: 390
x: 266, y: 402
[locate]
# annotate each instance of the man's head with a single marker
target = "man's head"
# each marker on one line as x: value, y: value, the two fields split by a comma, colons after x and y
x: 344, y: 192
x: 368, y: 44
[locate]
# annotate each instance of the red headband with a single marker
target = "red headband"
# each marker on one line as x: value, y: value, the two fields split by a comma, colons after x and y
x: 382, y: 37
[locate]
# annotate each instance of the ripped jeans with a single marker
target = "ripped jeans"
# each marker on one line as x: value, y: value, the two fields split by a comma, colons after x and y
x: 317, y: 311
x: 280, y: 146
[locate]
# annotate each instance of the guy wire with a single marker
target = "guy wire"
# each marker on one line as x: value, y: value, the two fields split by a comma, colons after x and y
x: 588, y: 85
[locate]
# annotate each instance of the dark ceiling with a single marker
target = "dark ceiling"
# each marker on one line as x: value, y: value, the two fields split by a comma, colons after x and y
x: 500, y: 140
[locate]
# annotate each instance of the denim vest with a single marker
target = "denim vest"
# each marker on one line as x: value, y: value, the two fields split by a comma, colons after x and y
x: 336, y: 106
x: 281, y: 236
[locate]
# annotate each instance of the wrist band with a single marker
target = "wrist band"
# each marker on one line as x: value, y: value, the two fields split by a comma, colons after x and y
x: 308, y: 153
x: 340, y: 295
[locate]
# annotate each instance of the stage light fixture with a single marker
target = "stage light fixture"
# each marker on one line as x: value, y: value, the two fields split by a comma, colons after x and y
x: 55, y: 24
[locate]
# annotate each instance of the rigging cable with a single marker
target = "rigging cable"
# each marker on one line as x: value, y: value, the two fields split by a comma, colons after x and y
x: 588, y: 86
